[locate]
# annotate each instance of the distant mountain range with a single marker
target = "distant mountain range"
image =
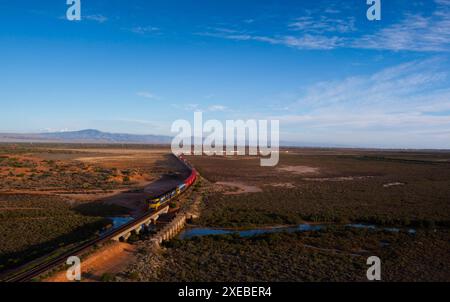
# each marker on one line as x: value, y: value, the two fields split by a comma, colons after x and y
x: 85, y: 136
x: 98, y: 137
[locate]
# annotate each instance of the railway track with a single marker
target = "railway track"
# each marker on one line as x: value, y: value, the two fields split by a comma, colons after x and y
x: 39, y: 269
x: 44, y: 267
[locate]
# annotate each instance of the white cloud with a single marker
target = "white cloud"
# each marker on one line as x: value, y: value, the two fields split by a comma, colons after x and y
x: 332, y: 11
x: 414, y: 33
x: 197, y: 107
x: 322, y: 24
x: 142, y: 30
x: 187, y: 107
x: 147, y: 95
x: 52, y: 130
x: 217, y: 108
x: 306, y: 41
x: 97, y: 18
x: 311, y: 42
x: 443, y: 2
x: 329, y: 30
x: 405, y: 105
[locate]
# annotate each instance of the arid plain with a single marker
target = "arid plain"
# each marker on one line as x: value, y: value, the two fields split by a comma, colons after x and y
x: 316, y: 216
x: 53, y: 197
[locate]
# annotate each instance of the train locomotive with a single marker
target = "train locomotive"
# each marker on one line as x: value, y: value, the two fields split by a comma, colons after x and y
x: 166, y: 197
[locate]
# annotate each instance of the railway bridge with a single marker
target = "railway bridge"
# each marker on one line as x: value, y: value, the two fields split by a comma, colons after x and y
x: 140, y: 224
x: 121, y: 233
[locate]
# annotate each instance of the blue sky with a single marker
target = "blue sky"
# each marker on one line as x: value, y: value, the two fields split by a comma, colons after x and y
x: 320, y: 67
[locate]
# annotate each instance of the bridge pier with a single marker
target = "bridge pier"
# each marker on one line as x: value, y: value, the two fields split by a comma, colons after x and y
x: 151, y: 220
x: 171, y: 230
x: 126, y: 236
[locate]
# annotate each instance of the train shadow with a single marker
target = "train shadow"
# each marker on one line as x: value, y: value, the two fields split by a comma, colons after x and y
x: 173, y: 173
x: 14, y: 262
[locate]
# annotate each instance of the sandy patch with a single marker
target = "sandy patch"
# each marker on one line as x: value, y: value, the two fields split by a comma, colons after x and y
x: 343, y: 178
x: 393, y: 184
x: 287, y: 185
x: 117, y: 150
x: 122, y: 158
x: 19, y: 209
x: 130, y: 161
x: 237, y: 188
x: 97, y: 159
x: 299, y: 170
x: 111, y: 259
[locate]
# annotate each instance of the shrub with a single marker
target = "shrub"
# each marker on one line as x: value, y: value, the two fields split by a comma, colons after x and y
x: 107, y: 277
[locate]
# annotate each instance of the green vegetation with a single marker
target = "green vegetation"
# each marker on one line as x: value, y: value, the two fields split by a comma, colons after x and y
x: 338, y: 255
x: 35, y: 225
x: 348, y: 186
x: 16, y: 163
x: 38, y: 168
x: 106, y: 277
x: 50, y: 175
x: 134, y: 237
x: 346, y: 189
x: 35, y: 221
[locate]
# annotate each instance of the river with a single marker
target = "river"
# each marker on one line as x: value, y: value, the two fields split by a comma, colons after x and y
x: 198, y: 232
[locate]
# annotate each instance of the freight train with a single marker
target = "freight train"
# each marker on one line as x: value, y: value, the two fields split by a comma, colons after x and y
x: 166, y: 197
